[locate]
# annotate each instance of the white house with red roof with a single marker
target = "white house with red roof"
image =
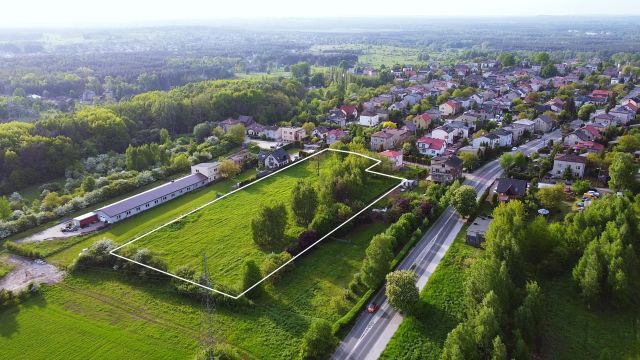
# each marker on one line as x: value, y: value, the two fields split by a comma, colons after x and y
x: 431, y: 146
x: 422, y: 121
x: 350, y: 111
x: 395, y: 158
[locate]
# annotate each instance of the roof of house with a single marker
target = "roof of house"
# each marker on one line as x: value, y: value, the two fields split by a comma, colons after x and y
x: 524, y: 122
x: 446, y: 128
x: 391, y: 153
x: 424, y: 116
x: 546, y: 118
x: 368, y: 113
x: 502, y: 132
x: 589, y: 145
x: 280, y: 155
x: 450, y: 160
x: 479, y: 225
x: 433, y: 143
x: 152, y: 194
x: 515, y: 187
x: 571, y: 158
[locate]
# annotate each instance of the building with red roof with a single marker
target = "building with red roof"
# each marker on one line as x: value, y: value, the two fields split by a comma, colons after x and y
x: 395, y: 157
x: 431, y: 146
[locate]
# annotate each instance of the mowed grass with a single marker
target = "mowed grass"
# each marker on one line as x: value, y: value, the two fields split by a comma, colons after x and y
x: 422, y: 336
x: 98, y: 314
x: 222, y: 230
x: 572, y: 330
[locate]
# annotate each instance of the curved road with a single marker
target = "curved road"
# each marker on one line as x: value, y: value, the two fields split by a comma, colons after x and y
x: 371, y: 332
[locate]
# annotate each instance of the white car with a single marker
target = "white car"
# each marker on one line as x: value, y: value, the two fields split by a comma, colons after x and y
x: 515, y: 148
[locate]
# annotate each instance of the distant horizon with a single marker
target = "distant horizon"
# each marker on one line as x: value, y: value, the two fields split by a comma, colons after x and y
x: 229, y: 21
x: 123, y: 13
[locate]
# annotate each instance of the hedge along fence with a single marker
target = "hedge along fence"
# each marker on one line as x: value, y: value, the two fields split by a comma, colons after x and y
x: 346, y: 321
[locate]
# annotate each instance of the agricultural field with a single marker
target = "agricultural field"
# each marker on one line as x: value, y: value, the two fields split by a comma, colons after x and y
x: 222, y: 229
x: 422, y: 336
x: 100, y: 314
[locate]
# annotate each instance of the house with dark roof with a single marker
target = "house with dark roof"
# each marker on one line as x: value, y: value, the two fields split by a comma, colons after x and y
x: 543, y: 124
x: 445, y: 169
x: 273, y: 159
x: 509, y: 189
x: 477, y: 230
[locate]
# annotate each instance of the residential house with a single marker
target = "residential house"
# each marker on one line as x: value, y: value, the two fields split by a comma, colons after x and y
x: 605, y: 119
x: 320, y: 132
x: 510, y: 189
x: 273, y: 159
x: 577, y: 136
x: 603, y: 94
x: 623, y: 114
x: 292, y: 133
x: 369, y: 118
x: 337, y: 117
x: 230, y: 122
x: 336, y: 135
x: 395, y: 158
x: 576, y: 163
x: 445, y: 169
x: 477, y: 151
x: 588, y: 146
x: 450, y: 107
x: 241, y: 157
x: 477, y: 230
x: 449, y: 132
x: 543, y: 124
x: 505, y: 137
x: 490, y: 140
x: 255, y: 130
x: 349, y: 111
x: 388, y: 139
x: 431, y: 146
x: 272, y: 132
x: 422, y: 121
x: 528, y: 125
x: 516, y: 132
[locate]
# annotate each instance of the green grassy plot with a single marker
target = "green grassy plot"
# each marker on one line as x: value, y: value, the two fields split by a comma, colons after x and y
x: 222, y: 229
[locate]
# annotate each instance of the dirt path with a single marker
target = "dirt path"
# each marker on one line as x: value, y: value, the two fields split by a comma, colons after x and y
x: 27, y: 271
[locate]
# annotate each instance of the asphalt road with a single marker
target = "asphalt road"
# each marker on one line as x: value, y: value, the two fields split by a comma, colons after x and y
x: 371, y: 332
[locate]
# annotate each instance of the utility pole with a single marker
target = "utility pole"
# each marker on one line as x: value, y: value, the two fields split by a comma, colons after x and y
x: 207, y: 339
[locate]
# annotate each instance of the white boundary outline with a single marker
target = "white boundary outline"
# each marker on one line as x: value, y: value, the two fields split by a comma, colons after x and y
x: 377, y: 162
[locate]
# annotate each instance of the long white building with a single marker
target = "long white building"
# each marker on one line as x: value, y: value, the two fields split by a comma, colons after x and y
x: 201, y: 175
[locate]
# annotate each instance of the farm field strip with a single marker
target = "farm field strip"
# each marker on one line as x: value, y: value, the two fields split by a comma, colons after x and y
x: 367, y: 170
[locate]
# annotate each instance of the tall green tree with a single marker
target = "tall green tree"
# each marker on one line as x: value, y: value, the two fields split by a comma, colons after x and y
x: 377, y: 261
x: 304, y: 202
x: 464, y: 200
x: 622, y: 171
x: 250, y: 276
x: 269, y: 225
x: 401, y: 290
x: 318, y: 341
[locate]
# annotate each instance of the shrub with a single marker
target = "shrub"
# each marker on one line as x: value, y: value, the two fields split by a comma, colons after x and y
x: 274, y: 261
x: 318, y: 341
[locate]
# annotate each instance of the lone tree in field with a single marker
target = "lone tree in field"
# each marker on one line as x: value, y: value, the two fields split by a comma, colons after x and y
x: 318, y: 341
x: 464, y: 200
x: 251, y: 275
x: 269, y: 224
x: 304, y: 202
x: 228, y: 168
x: 377, y: 260
x: 402, y: 291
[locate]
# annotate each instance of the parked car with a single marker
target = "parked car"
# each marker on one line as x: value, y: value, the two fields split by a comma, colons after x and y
x: 515, y: 148
x: 373, y: 307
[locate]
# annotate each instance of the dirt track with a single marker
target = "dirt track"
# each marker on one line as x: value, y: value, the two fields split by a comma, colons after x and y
x: 26, y: 271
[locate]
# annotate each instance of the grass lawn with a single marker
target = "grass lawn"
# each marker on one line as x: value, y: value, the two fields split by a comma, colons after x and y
x: 422, y: 336
x: 222, y: 229
x: 101, y: 315
x: 573, y: 331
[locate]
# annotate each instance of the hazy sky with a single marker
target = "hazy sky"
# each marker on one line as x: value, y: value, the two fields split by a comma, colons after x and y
x: 28, y: 13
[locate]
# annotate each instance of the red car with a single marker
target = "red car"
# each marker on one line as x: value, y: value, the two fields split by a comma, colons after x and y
x: 373, y: 307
